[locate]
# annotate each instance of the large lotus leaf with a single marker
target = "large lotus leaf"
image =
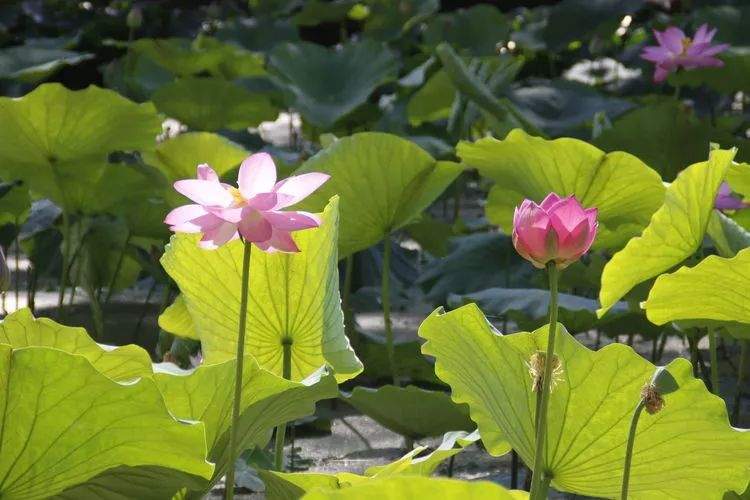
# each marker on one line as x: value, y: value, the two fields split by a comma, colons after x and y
x: 676, y: 230
x: 728, y: 236
x: 135, y: 76
x: 388, y: 19
x: 717, y: 288
x: 65, y: 423
x: 212, y: 104
x: 400, y: 487
x: 489, y: 27
x: 383, y: 181
x: 686, y: 450
x: 326, y: 84
x: 22, y: 329
x: 731, y: 77
x: 206, y: 395
x: 528, y: 308
x: 432, y: 101
x: 185, y: 57
x: 666, y: 135
x: 411, y: 411
x: 54, y: 138
x: 32, y: 64
x: 315, y: 12
x: 258, y: 34
x: 176, y: 320
x: 293, y: 298
x: 624, y: 189
x: 292, y: 486
x: 560, y: 106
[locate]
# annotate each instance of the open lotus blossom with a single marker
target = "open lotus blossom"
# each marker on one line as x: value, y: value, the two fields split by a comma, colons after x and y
x: 252, y: 210
x: 676, y: 50
x: 558, y: 229
x: 725, y: 200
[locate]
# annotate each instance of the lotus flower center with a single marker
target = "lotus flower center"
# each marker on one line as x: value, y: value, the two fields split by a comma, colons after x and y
x: 236, y: 196
x: 686, y: 43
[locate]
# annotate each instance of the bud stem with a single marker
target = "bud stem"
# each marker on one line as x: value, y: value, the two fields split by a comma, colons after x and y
x: 234, y: 445
x: 385, y: 298
x: 714, y: 361
x: 539, y: 479
x: 629, y: 449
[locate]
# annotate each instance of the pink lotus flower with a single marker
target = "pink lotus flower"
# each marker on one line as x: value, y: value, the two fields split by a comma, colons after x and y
x: 725, y: 200
x: 675, y: 50
x: 224, y: 213
x: 559, y: 230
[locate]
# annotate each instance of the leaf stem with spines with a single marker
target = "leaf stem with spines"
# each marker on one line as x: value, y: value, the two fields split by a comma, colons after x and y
x: 539, y: 479
x: 233, y: 438
x: 629, y: 448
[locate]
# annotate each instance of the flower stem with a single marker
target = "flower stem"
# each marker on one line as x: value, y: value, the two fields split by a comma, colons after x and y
x: 539, y: 479
x: 346, y: 296
x: 629, y: 448
x: 714, y: 361
x: 233, y: 438
x: 64, y: 266
x: 744, y: 351
x: 385, y: 297
x: 278, y: 457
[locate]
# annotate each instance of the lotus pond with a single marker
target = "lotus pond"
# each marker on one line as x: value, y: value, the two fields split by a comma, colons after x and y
x: 388, y: 249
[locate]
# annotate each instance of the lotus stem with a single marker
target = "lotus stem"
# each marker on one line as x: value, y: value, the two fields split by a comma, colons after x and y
x: 714, y: 361
x: 539, y: 479
x: 744, y: 351
x: 18, y: 267
x: 278, y: 457
x: 233, y: 438
x: 346, y: 302
x: 629, y: 448
x: 118, y: 268
x: 385, y: 297
x: 64, y: 266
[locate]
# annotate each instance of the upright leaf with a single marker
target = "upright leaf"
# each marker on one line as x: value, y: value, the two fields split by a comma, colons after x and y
x: 676, y: 230
x: 294, y: 298
x: 624, y: 189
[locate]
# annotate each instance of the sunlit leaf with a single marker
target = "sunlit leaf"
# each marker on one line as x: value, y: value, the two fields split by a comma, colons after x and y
x: 294, y: 298
x: 686, y: 450
x: 176, y: 320
x: 674, y: 233
x: 384, y: 182
x: 65, y: 423
x: 212, y: 104
x: 624, y: 189
x: 324, y: 84
x: 717, y: 288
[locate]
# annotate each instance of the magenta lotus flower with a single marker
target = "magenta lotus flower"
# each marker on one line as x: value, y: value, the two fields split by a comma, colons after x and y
x: 253, y: 210
x: 725, y: 200
x: 559, y: 230
x: 677, y: 50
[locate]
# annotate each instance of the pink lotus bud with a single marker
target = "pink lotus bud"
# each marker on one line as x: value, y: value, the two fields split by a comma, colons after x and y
x: 559, y: 230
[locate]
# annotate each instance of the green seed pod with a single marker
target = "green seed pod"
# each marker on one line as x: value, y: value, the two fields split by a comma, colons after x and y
x: 135, y: 18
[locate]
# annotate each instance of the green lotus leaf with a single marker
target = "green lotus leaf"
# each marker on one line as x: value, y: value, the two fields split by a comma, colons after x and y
x: 665, y: 135
x: 185, y: 57
x: 32, y: 64
x: 400, y: 487
x: 728, y: 236
x: 676, y: 230
x: 206, y: 395
x: 384, y: 182
x: 624, y: 189
x: 176, y: 320
x: 22, y: 329
x: 136, y: 76
x: 57, y: 139
x: 292, y: 486
x: 686, y: 450
x: 433, y: 101
x: 324, y: 84
x: 293, y: 298
x: 411, y: 411
x: 66, y: 423
x: 717, y: 288
x: 489, y: 27
x: 528, y: 308
x: 731, y: 77
x: 738, y: 178
x: 412, y: 366
x: 213, y: 104
x: 389, y: 19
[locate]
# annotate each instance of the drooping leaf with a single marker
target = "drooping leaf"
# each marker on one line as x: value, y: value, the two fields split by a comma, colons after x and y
x: 213, y: 103
x: 206, y: 395
x: 687, y: 449
x: 56, y: 139
x: 65, y: 423
x: 432, y: 101
x: 176, y: 320
x: 728, y: 236
x: 384, y: 182
x: 31, y: 64
x: 717, y: 288
x: 324, y: 85
x: 411, y: 411
x: 294, y: 298
x: 21, y: 329
x: 400, y: 487
x: 674, y: 233
x: 624, y: 189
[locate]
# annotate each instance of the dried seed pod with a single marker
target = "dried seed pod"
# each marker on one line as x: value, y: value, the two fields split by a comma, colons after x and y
x: 653, y: 401
x: 535, y: 364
